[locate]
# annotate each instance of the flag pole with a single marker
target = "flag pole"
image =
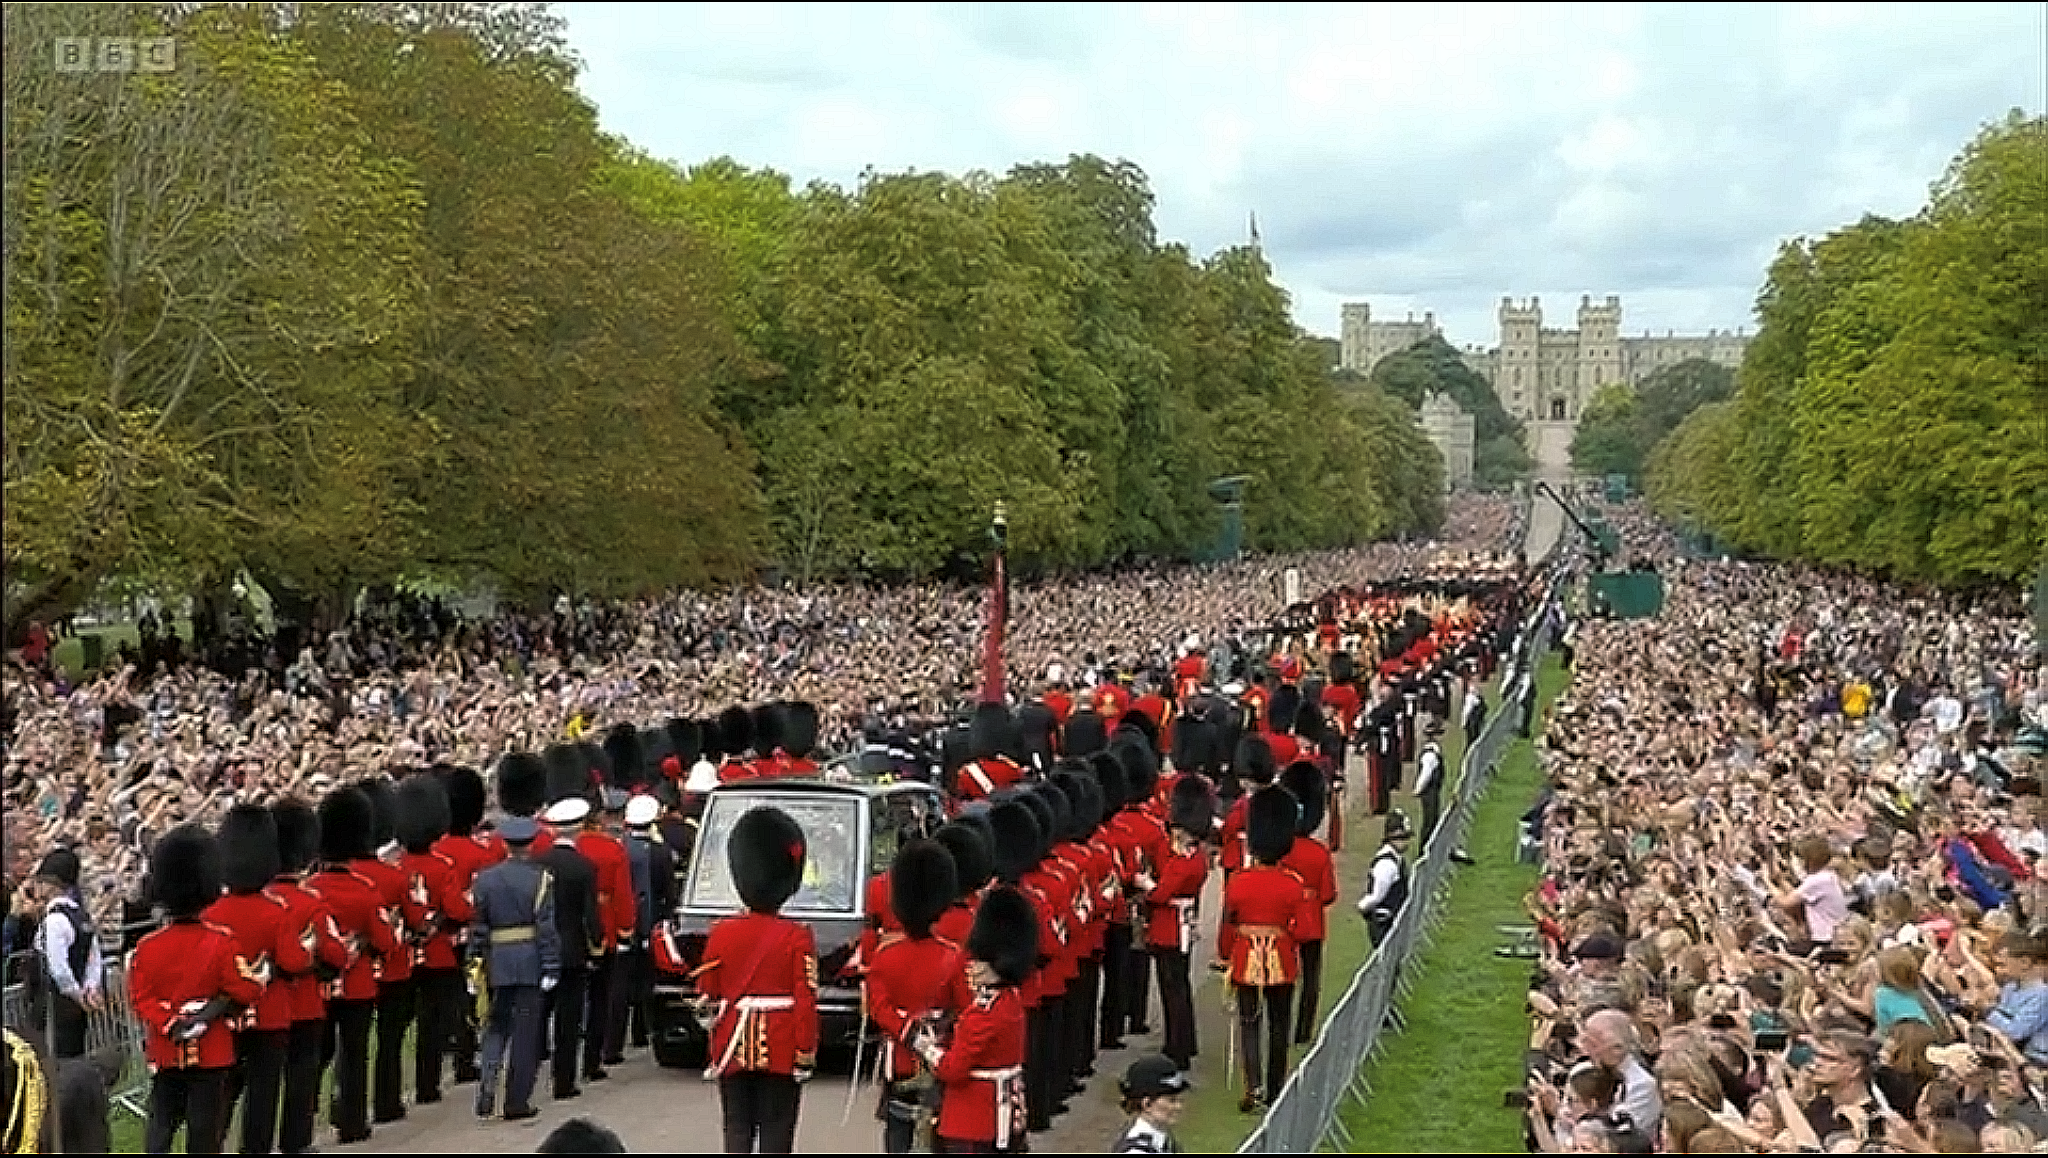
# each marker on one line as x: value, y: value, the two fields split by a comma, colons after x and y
x: 992, y: 667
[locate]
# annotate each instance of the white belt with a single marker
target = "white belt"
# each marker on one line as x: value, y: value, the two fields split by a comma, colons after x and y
x: 747, y: 1007
x: 1005, y: 1080
x: 1187, y: 911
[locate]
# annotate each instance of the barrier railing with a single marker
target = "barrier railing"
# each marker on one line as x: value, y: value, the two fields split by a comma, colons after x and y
x: 111, y: 1027
x: 1305, y: 1115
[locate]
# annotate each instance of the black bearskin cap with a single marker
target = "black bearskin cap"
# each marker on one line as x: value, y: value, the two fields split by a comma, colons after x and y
x: 956, y: 749
x: 655, y: 746
x: 973, y: 864
x: 735, y: 731
x: 1035, y: 724
x: 383, y: 810
x: 1193, y: 807
x: 522, y: 784
x: 1141, y: 767
x: 993, y: 732
x: 568, y: 773
x: 711, y: 740
x: 1137, y: 721
x: 1269, y: 824
x: 465, y: 798
x: 768, y: 728
x: 1064, y: 816
x: 1194, y: 745
x: 622, y: 751
x: 1284, y: 708
x: 1109, y: 774
x: 1005, y: 935
x: 1085, y: 734
x: 1308, y: 723
x: 423, y: 812
x: 597, y: 766
x: 1083, y: 812
x: 766, y: 855
x: 298, y: 835
x: 248, y: 848
x: 800, y: 728
x: 348, y: 826
x: 1044, y: 813
x: 1343, y: 669
x: 1304, y: 781
x: 1015, y: 849
x: 184, y: 871
x: 686, y: 737
x: 1254, y: 762
x: 922, y: 884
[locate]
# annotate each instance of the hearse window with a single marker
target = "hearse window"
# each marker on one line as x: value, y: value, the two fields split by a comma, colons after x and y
x: 897, y: 817
x: 831, y: 875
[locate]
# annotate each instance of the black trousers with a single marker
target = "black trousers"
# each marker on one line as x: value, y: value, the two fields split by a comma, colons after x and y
x: 1137, y: 985
x: 397, y: 1004
x: 759, y: 1106
x: 1176, y: 1006
x: 1275, y: 1005
x: 302, y: 1062
x: 598, y: 1014
x: 1311, y: 991
x: 192, y: 1098
x: 348, y: 1046
x: 1038, y: 1066
x: 67, y: 1025
x: 1116, y: 953
x: 632, y: 981
x: 463, y: 1042
x: 898, y: 1113
x: 565, y: 1010
x: 440, y: 994
x: 1081, y: 1008
x: 256, y: 1082
x: 1432, y: 807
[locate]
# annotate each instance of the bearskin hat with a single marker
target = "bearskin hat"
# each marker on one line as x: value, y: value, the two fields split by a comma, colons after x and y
x: 1254, y: 762
x: 1308, y: 723
x: 1343, y: 669
x: 1082, y: 812
x: 1141, y: 767
x: 1063, y: 810
x: 800, y: 728
x: 1044, y: 813
x: 767, y: 728
x: 735, y: 731
x: 1194, y: 745
x: 465, y: 791
x: 1016, y: 847
x: 1109, y: 774
x: 686, y: 740
x: 1137, y: 721
x: 973, y: 864
x: 766, y: 855
x: 184, y: 871
x: 1304, y: 781
x: 1284, y: 708
x: 298, y: 835
x: 248, y: 848
x: 1269, y: 823
x: 993, y: 732
x: 956, y: 749
x: 568, y: 773
x: 1035, y: 724
x: 1005, y: 935
x: 424, y: 811
x: 623, y: 752
x: 1193, y: 807
x: 656, y: 748
x: 597, y: 765
x: 522, y: 784
x: 383, y: 810
x: 1085, y: 734
x: 922, y: 884
x: 348, y: 826
x: 711, y: 740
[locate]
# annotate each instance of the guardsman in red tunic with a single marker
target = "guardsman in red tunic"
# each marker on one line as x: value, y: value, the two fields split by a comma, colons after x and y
x: 184, y: 982
x: 980, y: 1066
x: 768, y: 753
x: 906, y: 980
x: 994, y: 745
x: 1256, y: 938
x: 1255, y: 770
x: 397, y: 999
x: 347, y: 825
x: 1057, y: 697
x: 1112, y: 699
x: 1020, y: 844
x: 1173, y: 901
x: 435, y: 882
x: 799, y: 738
x: 735, y: 745
x: 1144, y: 835
x: 472, y: 851
x: 1190, y: 670
x: 298, y: 846
x: 760, y: 972
x: 618, y: 914
x: 973, y: 865
x: 1309, y: 859
x: 269, y: 941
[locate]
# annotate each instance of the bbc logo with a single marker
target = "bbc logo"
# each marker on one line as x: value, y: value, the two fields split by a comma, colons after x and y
x: 117, y: 54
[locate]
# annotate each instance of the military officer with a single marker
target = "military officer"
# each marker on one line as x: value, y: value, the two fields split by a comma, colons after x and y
x: 514, y: 923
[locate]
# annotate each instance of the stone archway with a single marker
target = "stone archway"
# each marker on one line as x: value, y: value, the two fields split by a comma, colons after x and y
x: 1557, y: 409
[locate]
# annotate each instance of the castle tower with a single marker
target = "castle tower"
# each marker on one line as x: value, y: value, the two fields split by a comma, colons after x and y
x: 1517, y: 371
x: 1352, y: 338
x: 1600, y: 360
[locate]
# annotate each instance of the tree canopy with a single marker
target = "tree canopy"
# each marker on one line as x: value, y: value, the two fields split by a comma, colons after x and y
x: 1889, y: 415
x: 1499, y: 445
x: 1623, y: 424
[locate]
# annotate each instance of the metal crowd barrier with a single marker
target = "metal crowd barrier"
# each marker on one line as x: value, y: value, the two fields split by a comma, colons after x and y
x: 113, y: 1025
x: 1305, y: 1115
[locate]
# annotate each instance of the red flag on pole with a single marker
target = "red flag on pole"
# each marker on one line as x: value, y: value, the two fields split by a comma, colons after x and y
x: 992, y: 669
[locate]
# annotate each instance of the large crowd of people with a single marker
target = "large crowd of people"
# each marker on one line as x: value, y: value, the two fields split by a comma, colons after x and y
x: 1793, y: 897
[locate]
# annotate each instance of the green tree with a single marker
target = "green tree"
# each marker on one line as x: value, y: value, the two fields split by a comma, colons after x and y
x: 1499, y: 453
x: 1606, y: 441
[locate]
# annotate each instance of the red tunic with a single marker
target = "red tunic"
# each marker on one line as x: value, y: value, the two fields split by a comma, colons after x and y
x: 174, y: 971
x: 1236, y: 846
x: 982, y: 1070
x: 472, y: 854
x: 906, y: 980
x: 1260, y: 907
x: 1173, y: 898
x: 408, y: 916
x: 978, y: 779
x: 1061, y: 704
x: 1310, y: 861
x: 312, y: 920
x: 763, y: 969
x: 434, y: 877
x: 1112, y: 701
x: 881, y: 921
x: 268, y: 941
x: 1187, y: 675
x: 363, y: 925
x: 1343, y: 699
x: 617, y: 909
x: 1048, y: 899
x: 956, y: 922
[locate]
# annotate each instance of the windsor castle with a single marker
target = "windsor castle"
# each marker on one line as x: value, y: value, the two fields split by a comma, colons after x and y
x: 1543, y: 375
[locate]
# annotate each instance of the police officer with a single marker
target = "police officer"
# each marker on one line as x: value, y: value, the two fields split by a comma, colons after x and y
x: 68, y: 980
x: 1387, y: 889
x: 515, y: 926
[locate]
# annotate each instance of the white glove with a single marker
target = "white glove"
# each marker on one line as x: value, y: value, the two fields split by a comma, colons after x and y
x: 547, y: 984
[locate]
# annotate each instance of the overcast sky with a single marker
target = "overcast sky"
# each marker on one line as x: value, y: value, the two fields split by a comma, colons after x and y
x: 1414, y: 156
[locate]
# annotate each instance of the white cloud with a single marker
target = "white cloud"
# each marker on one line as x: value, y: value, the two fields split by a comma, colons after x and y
x: 1425, y: 157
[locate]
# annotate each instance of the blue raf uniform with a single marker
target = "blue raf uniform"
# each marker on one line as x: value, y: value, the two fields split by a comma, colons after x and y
x: 522, y: 959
